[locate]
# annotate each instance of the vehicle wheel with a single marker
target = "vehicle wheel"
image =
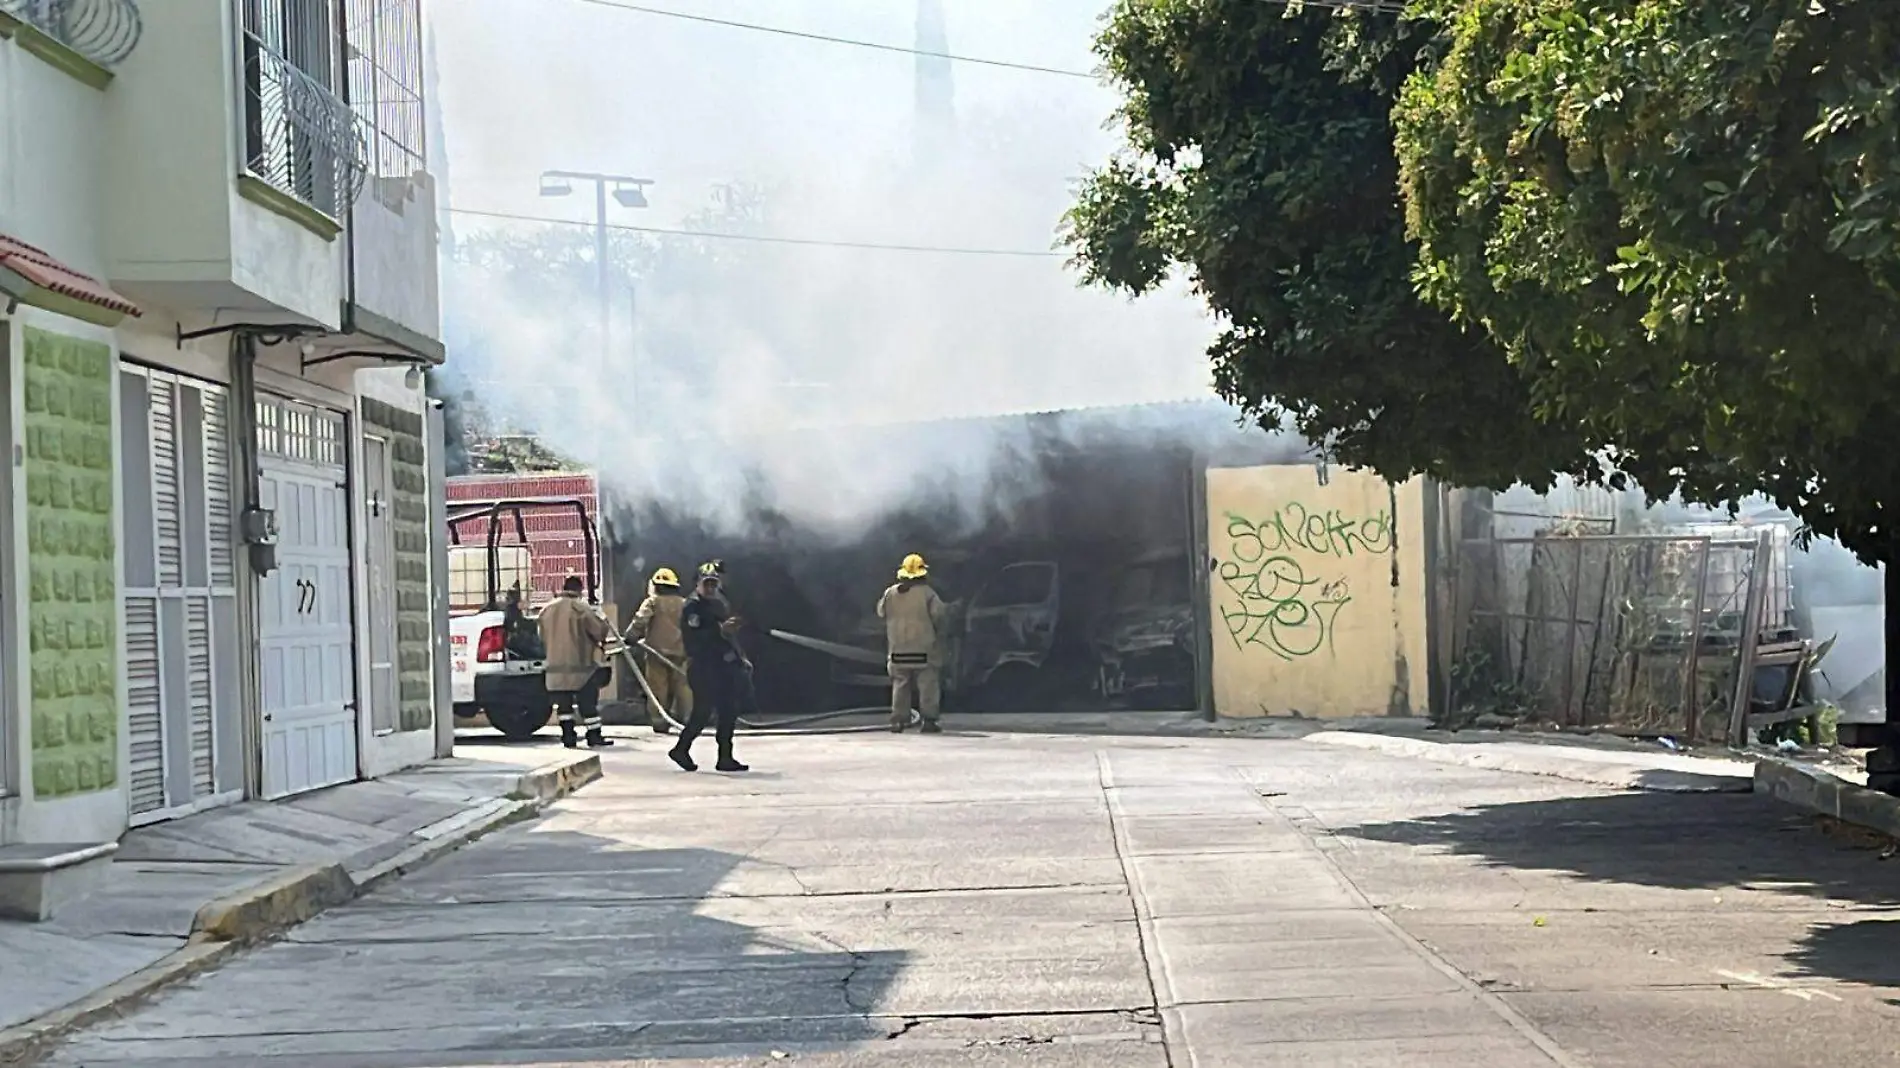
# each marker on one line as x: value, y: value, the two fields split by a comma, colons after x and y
x: 518, y: 723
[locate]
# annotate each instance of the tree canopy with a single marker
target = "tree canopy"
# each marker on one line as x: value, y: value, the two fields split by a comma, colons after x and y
x: 1260, y: 159
x: 1493, y: 240
x: 1678, y: 219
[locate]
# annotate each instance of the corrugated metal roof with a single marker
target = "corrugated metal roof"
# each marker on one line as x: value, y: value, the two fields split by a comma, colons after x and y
x: 39, y: 268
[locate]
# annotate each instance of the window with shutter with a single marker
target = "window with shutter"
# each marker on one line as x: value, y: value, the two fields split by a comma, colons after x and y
x: 198, y: 693
x: 219, y: 501
x: 166, y: 509
x: 144, y: 712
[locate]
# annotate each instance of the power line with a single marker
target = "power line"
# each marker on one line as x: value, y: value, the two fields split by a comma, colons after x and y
x: 621, y: 5
x: 876, y: 246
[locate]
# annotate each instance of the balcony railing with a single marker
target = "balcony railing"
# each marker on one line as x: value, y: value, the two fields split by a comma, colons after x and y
x: 104, y: 31
x: 299, y: 136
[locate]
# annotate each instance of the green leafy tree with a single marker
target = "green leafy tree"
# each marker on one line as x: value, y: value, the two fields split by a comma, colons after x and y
x: 1259, y: 161
x: 1678, y: 219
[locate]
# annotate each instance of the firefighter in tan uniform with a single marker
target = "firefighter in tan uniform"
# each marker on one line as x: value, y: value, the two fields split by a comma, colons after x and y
x: 575, y: 633
x: 913, y: 614
x: 657, y: 623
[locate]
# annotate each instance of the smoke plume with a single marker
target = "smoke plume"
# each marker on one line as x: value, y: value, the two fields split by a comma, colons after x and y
x: 739, y: 375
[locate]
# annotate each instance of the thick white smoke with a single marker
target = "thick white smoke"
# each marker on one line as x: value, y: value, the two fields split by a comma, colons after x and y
x: 756, y: 338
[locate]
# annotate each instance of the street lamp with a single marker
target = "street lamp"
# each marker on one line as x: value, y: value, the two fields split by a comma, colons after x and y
x: 628, y: 192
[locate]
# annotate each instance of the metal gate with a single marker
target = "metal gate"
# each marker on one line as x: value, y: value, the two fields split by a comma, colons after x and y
x: 1636, y: 633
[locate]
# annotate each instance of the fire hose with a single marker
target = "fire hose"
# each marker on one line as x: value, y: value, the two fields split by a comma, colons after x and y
x: 788, y: 725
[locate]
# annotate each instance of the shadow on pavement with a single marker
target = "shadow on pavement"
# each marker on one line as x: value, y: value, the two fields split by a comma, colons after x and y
x: 1682, y: 841
x: 1688, y: 842
x: 550, y: 946
x: 1865, y: 951
x: 640, y: 941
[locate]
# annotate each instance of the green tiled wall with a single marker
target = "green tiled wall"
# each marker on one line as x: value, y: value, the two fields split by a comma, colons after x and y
x: 70, y: 567
x: 409, y: 497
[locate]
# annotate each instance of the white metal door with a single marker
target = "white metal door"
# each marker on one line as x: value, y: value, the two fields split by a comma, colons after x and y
x: 179, y: 595
x: 305, y: 626
x: 379, y: 543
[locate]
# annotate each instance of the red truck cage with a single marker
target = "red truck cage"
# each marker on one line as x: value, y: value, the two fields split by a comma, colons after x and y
x: 556, y: 542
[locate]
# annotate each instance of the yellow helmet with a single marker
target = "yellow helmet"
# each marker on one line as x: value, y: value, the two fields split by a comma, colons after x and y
x: 913, y: 567
x: 665, y: 577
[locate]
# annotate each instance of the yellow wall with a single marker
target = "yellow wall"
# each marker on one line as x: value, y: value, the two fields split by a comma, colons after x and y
x: 1318, y: 593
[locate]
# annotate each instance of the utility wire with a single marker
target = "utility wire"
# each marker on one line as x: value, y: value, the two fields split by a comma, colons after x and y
x: 1019, y: 253
x: 621, y: 5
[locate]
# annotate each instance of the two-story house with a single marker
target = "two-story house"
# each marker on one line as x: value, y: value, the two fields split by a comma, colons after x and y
x: 218, y: 290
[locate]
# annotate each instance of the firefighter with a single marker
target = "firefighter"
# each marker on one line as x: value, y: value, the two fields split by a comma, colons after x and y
x: 715, y: 669
x: 657, y: 623
x: 574, y: 633
x: 913, y: 614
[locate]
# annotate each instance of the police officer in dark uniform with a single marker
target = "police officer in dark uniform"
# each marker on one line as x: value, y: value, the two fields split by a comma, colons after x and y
x: 747, y: 700
x: 715, y: 669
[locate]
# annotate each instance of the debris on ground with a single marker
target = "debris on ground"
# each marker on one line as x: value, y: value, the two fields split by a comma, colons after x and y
x: 1855, y: 836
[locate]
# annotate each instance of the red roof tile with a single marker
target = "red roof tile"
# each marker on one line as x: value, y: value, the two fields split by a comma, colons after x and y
x: 48, y: 273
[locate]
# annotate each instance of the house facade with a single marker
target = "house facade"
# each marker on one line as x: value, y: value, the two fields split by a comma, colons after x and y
x: 218, y: 287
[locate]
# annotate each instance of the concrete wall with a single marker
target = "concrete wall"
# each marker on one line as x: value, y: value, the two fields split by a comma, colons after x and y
x: 61, y: 671
x: 1319, y: 595
x: 395, y: 234
x: 172, y: 125
x: 51, y: 159
x: 181, y: 236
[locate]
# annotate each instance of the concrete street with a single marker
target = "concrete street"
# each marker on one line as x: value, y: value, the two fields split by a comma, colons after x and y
x: 1070, y: 902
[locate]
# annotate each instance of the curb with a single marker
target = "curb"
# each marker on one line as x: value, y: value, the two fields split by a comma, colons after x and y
x: 1596, y: 773
x: 551, y: 783
x: 1808, y: 787
x: 22, y: 1044
x: 284, y: 900
x: 223, y: 928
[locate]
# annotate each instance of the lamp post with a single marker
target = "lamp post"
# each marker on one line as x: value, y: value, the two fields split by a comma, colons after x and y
x: 628, y: 192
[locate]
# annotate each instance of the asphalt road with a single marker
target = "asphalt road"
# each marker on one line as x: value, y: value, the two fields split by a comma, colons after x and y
x: 1066, y: 902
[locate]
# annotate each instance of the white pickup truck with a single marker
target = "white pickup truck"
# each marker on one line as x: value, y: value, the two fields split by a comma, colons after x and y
x: 498, y: 666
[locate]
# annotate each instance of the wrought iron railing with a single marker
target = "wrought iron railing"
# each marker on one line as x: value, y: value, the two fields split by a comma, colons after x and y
x: 104, y: 31
x: 384, y: 66
x: 299, y: 136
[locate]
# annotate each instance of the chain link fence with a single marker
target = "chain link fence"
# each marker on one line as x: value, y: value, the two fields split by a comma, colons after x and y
x: 1633, y: 633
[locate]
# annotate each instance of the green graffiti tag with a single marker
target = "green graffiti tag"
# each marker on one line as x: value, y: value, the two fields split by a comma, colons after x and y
x: 1277, y: 606
x: 1295, y: 528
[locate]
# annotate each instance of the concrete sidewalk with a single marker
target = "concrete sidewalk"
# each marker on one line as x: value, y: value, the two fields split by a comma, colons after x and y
x: 1598, y: 759
x: 1617, y: 767
x: 182, y: 895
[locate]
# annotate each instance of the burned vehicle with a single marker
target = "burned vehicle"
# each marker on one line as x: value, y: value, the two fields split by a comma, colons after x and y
x: 1143, y: 641
x: 998, y: 640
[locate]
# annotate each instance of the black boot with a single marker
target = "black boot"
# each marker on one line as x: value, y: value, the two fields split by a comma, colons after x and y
x: 727, y: 762
x: 569, y: 737
x: 682, y: 756
x: 597, y: 740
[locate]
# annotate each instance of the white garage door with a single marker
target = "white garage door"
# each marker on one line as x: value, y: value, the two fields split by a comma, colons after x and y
x: 307, y: 649
x: 180, y: 592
